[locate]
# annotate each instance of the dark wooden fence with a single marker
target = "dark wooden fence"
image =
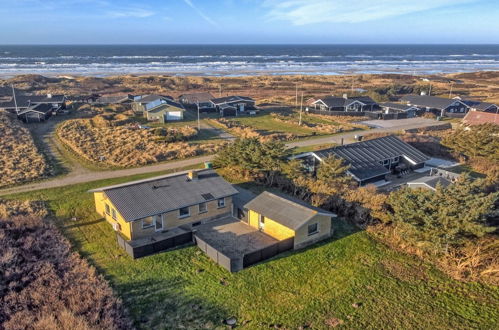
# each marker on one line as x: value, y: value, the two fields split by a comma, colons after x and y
x: 154, y: 247
x: 231, y: 264
x: 268, y: 252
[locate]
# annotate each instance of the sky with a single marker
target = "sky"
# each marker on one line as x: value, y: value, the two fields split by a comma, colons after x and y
x: 249, y: 21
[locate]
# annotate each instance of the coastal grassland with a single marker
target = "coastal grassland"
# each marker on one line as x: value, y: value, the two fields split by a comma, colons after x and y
x: 351, y: 279
x: 20, y: 159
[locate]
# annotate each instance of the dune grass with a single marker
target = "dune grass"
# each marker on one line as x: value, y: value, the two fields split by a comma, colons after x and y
x: 351, y: 280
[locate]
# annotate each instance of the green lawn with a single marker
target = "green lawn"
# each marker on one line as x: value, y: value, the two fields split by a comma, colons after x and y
x: 309, y: 287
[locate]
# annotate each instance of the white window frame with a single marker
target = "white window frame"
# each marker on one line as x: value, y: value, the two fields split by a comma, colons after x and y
x: 386, y: 162
x: 185, y: 215
x: 113, y: 214
x: 107, y: 209
x: 395, y: 159
x: 223, y: 202
x: 146, y: 226
x: 154, y: 222
x: 205, y: 207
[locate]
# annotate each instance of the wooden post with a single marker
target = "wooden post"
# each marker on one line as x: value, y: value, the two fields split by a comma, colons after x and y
x: 301, y: 107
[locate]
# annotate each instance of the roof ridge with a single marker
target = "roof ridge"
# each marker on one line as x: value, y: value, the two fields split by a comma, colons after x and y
x: 290, y: 201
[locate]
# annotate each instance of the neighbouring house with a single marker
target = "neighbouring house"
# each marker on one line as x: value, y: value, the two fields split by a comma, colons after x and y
x: 201, y: 100
x: 22, y: 102
x: 233, y: 105
x: 36, y: 113
x: 332, y: 103
x: 140, y: 101
x: 164, y: 110
x: 115, y: 99
x: 372, y: 160
x: 474, y: 118
x: 284, y: 217
x: 141, y: 209
x: 438, y: 105
x: 409, y: 110
x: 436, y: 177
x: 485, y: 107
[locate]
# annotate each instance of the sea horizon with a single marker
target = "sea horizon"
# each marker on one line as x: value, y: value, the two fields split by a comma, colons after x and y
x: 246, y: 59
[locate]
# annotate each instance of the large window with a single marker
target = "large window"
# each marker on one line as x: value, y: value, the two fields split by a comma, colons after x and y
x: 147, y: 222
x: 184, y: 212
x: 221, y: 202
x: 202, y: 208
x: 313, y: 229
x: 108, y: 209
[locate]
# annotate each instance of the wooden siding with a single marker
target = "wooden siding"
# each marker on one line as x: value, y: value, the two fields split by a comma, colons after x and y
x: 100, y: 205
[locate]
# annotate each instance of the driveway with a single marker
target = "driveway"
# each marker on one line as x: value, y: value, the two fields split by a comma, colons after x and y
x: 398, y: 122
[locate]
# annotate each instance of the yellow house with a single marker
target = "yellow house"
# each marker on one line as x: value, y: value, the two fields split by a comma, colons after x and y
x: 144, y: 208
x: 283, y: 217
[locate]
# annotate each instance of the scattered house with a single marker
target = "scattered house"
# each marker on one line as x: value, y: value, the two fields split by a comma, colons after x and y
x: 140, y: 101
x: 332, y: 103
x: 474, y: 118
x: 438, y: 105
x: 233, y: 105
x: 36, y: 113
x: 201, y: 100
x: 283, y: 217
x: 200, y: 207
x: 370, y: 161
x: 485, y: 107
x: 164, y: 110
x: 146, y: 208
x: 22, y: 102
x: 115, y: 99
x: 433, y: 179
x: 390, y: 107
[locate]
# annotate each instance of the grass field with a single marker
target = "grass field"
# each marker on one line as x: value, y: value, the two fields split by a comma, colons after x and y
x: 314, y: 287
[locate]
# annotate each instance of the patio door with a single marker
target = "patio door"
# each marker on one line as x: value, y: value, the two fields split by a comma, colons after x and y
x: 261, y: 222
x: 158, y: 222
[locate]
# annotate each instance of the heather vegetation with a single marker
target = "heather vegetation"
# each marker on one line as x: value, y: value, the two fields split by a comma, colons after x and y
x: 126, y: 146
x: 443, y: 226
x: 20, y: 160
x: 43, y: 285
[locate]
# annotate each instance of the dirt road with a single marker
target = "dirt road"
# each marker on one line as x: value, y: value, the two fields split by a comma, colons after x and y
x: 82, y: 174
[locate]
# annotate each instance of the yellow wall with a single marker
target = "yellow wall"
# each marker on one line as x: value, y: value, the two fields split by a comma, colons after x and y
x: 271, y: 227
x: 100, y: 201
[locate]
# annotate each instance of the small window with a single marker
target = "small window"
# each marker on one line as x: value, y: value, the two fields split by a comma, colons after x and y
x: 202, y: 208
x: 221, y: 202
x: 108, y: 209
x: 386, y: 162
x: 184, y: 212
x: 395, y: 159
x: 147, y: 222
x: 313, y: 229
x: 113, y: 213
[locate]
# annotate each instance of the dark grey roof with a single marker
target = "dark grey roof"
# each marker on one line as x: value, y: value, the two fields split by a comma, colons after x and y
x: 288, y: 211
x: 430, y: 101
x: 140, y: 199
x: 367, y: 100
x: 340, y: 102
x: 196, y: 97
x: 243, y: 196
x: 397, y: 106
x: 432, y: 181
x: 231, y: 99
x: 364, y: 157
x: 484, y: 106
x: 24, y: 101
x: 113, y: 99
x: 40, y: 108
x: 153, y: 97
x: 162, y: 103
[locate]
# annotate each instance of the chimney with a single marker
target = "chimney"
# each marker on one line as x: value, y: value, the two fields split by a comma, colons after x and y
x: 49, y: 95
x: 192, y: 175
x: 345, y: 96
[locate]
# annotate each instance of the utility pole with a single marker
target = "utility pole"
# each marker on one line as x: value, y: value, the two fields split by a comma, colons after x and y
x: 220, y: 90
x: 296, y: 95
x: 353, y: 81
x: 199, y: 123
x: 301, y: 107
x: 450, y: 92
x: 429, y: 92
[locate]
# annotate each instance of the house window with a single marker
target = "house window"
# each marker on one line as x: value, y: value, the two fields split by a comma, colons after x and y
x: 395, y: 159
x: 184, y: 212
x: 147, y: 222
x: 158, y: 222
x: 202, y: 208
x: 313, y: 229
x: 113, y: 213
x: 108, y: 209
x: 221, y: 202
x: 386, y: 162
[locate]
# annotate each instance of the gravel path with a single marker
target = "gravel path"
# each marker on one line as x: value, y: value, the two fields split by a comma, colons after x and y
x: 80, y: 174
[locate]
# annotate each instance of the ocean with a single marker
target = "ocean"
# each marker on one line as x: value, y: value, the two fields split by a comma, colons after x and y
x: 237, y: 60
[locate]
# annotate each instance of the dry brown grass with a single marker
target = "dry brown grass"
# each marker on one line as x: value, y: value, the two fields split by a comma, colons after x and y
x: 244, y: 131
x: 43, y: 284
x: 122, y: 146
x: 20, y: 160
